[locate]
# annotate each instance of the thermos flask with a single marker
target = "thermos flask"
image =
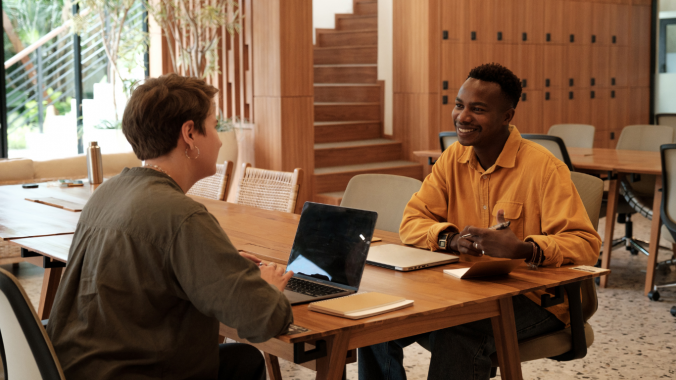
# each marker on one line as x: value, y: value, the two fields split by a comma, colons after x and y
x: 94, y: 163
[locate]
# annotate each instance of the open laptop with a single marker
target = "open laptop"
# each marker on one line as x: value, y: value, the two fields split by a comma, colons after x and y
x: 404, y: 259
x: 329, y: 252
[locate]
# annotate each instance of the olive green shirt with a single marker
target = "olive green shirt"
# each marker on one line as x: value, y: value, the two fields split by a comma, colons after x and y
x: 150, y: 274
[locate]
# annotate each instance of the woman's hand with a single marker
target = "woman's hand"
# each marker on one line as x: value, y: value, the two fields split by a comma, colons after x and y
x: 251, y: 257
x: 275, y: 276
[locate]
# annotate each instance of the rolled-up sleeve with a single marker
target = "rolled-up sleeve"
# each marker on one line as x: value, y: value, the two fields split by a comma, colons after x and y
x: 223, y: 284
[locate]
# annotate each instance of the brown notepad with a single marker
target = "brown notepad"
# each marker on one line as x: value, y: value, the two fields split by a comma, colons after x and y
x: 360, y: 305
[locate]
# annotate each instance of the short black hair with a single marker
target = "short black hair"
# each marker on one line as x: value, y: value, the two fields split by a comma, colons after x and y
x: 509, y: 83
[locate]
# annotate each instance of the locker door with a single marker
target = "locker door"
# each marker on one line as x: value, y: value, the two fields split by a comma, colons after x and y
x: 530, y: 25
x: 446, y: 122
x: 454, y: 64
x: 504, y: 14
x: 577, y: 22
x: 554, y: 62
x: 639, y: 68
x: 618, y: 112
x: 480, y: 54
x: 530, y: 66
x: 577, y: 107
x: 639, y: 105
x: 598, y: 100
x: 619, y: 66
x: 553, y: 21
x: 578, y: 66
x: 528, y: 113
x: 601, y: 14
x: 506, y: 55
x: 454, y: 20
x: 600, y: 67
x: 552, y: 108
x: 481, y: 21
x: 619, y: 19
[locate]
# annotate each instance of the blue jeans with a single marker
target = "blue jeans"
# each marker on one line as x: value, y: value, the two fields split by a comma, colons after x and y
x: 459, y: 352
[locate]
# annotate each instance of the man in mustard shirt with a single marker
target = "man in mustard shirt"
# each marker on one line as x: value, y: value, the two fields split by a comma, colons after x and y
x: 491, y: 175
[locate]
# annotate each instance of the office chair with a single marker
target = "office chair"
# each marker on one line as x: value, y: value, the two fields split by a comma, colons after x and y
x: 574, y: 135
x: 667, y: 209
x: 447, y: 139
x: 385, y: 194
x: 26, y: 350
x: 553, y: 144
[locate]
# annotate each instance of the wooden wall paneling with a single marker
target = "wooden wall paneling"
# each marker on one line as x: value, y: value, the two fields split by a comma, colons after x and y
x: 600, y: 28
x: 504, y: 14
x: 414, y: 116
x: 599, y: 107
x: 600, y: 66
x: 578, y: 109
x: 454, y: 64
x: 480, y: 54
x: 530, y: 20
x: 578, y: 65
x: 619, y: 66
x: 446, y: 121
x: 552, y: 107
x: 528, y: 113
x: 553, y: 21
x: 454, y: 20
x: 481, y: 21
x: 413, y: 52
x: 577, y: 22
x: 619, y: 21
x: 553, y: 67
x: 642, y: 2
x: 639, y: 109
x: 639, y: 69
x: 618, y: 112
x: 506, y: 55
x: 529, y: 64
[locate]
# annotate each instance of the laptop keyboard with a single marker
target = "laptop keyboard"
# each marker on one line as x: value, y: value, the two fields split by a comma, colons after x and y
x: 310, y: 288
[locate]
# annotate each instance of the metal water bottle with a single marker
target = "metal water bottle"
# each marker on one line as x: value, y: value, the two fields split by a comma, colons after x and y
x: 94, y: 163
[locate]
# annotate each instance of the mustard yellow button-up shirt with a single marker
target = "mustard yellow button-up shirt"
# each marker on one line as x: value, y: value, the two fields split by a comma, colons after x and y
x: 528, y: 182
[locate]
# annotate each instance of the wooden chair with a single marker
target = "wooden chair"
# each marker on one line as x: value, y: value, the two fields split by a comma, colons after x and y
x: 574, y: 135
x: 215, y: 186
x: 269, y: 189
x: 26, y: 350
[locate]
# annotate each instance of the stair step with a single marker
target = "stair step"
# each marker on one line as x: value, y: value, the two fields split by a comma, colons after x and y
x: 347, y: 38
x: 366, y: 8
x: 347, y: 93
x: 334, y: 55
x: 356, y: 152
x: 336, y: 178
x: 335, y: 131
x: 347, y: 111
x: 333, y: 198
x: 346, y: 73
x: 356, y: 22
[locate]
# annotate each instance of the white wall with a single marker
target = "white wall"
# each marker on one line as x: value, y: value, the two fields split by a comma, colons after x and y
x: 323, y: 12
x: 665, y: 83
x: 385, y: 54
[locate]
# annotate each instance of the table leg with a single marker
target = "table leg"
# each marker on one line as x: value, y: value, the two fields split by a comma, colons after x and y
x: 332, y: 366
x: 50, y: 283
x: 506, y: 341
x: 613, y: 194
x: 272, y: 362
x: 654, y: 245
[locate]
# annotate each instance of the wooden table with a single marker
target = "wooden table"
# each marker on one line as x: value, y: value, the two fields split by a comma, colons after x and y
x: 617, y: 163
x: 440, y: 300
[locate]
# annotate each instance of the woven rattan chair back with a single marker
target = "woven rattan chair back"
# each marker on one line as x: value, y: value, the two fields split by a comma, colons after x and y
x: 215, y: 186
x: 269, y: 189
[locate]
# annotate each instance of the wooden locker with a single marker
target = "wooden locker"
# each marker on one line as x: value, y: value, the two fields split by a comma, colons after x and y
x: 643, y: 2
x: 577, y: 21
x: 601, y: 138
x: 528, y: 113
x: 506, y: 55
x: 504, y: 14
x: 619, y: 66
x: 601, y: 14
x: 529, y: 66
x: 554, y: 62
x: 576, y: 106
x: 598, y: 102
x: 446, y: 122
x: 639, y: 110
x: 578, y: 66
x: 552, y: 107
x: 454, y: 20
x: 600, y: 67
x: 480, y: 54
x: 619, y: 24
x: 553, y: 21
x: 481, y: 21
x: 618, y: 110
x: 639, y: 64
x: 530, y: 25
x: 454, y: 64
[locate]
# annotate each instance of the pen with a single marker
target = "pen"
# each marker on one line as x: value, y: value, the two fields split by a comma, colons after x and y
x: 499, y: 226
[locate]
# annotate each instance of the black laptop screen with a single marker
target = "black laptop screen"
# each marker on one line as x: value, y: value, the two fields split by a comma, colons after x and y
x: 332, y: 243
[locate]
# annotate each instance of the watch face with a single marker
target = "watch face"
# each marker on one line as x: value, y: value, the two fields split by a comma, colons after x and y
x: 442, y: 244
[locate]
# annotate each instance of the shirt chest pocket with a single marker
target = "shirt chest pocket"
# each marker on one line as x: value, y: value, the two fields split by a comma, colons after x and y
x: 513, y: 213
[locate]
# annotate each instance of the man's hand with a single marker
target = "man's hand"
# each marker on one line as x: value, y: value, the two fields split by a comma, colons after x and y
x: 496, y: 243
x: 275, y: 276
x: 465, y: 245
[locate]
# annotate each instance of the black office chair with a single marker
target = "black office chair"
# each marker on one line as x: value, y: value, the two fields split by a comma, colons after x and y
x: 447, y: 139
x: 554, y: 144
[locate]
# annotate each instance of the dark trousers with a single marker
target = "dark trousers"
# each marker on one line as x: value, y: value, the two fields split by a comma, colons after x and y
x: 459, y: 352
x: 240, y: 361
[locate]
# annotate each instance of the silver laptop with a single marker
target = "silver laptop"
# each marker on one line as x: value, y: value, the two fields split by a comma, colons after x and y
x: 329, y: 252
x: 404, y: 259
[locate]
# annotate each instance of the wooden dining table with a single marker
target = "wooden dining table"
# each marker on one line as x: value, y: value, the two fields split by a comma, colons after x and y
x: 440, y: 300
x: 616, y: 164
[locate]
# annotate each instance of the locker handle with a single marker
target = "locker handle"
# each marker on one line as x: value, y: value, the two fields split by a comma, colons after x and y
x: 612, y: 81
x: 444, y: 85
x: 612, y: 94
x: 593, y: 81
x: 473, y: 34
x: 593, y: 94
x: 570, y: 95
x: 445, y: 34
x: 572, y: 38
x: 593, y: 38
x: 546, y: 95
x: 499, y: 36
x: 549, y: 37
x: 524, y: 37
x: 614, y: 39
x: 546, y: 82
x: 444, y: 99
x: 523, y: 97
x: 570, y: 82
x: 524, y: 83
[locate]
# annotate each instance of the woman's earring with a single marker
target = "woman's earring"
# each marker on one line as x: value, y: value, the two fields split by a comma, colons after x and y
x: 198, y: 152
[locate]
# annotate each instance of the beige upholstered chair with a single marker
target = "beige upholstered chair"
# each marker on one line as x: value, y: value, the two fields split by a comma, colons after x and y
x: 215, y: 186
x: 574, y: 135
x: 383, y: 193
x: 668, y: 119
x: 269, y: 189
x: 16, y: 171
x: 28, y: 352
x: 447, y: 139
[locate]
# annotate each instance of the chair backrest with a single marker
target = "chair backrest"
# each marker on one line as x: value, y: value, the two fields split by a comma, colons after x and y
x: 574, y: 135
x: 215, y: 186
x: 16, y: 171
x: 668, y: 207
x: 383, y: 193
x: 590, y: 189
x: 668, y: 119
x: 28, y: 352
x: 644, y: 137
x: 553, y: 144
x: 269, y: 189
x: 447, y: 139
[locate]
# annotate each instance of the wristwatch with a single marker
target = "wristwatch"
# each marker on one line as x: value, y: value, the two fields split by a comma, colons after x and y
x: 445, y: 241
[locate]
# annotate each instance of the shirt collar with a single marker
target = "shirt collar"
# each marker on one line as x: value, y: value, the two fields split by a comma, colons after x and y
x: 507, y: 157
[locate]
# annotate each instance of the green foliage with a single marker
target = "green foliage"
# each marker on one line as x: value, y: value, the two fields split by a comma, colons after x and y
x: 107, y: 124
x: 17, y: 138
x: 229, y: 124
x: 62, y: 107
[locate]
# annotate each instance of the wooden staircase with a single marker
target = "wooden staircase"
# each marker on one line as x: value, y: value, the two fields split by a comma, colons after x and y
x: 348, y: 106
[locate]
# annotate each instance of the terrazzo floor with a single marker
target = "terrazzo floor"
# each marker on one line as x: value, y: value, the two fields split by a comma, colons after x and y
x: 635, y: 338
